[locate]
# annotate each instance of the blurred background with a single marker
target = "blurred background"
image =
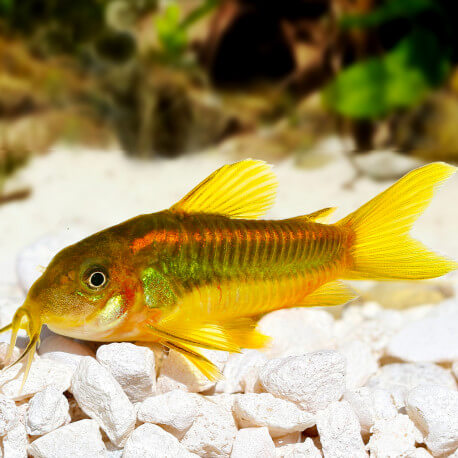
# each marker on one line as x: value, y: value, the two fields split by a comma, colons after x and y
x: 110, y: 108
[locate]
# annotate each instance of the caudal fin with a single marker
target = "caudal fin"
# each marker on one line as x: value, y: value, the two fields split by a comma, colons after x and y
x: 382, y: 248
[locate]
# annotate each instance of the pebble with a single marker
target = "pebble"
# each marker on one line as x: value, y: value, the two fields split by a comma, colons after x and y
x: 81, y: 439
x: 395, y: 437
x: 151, y: 441
x: 102, y: 398
x: 175, y: 411
x: 370, y: 324
x: 240, y: 370
x: 433, y: 338
x: 306, y: 449
x: 177, y: 372
x: 398, y: 379
x: 370, y: 405
x: 213, y: 432
x: 278, y: 415
x: 361, y: 363
x: 64, y: 350
x: 8, y: 414
x: 15, y: 442
x: 297, y: 331
x: 312, y: 381
x: 253, y: 443
x: 340, y: 432
x: 48, y: 410
x: 43, y: 372
x: 434, y: 410
x: 132, y: 366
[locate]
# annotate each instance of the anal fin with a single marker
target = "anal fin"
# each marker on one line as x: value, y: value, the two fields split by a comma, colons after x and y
x: 329, y: 294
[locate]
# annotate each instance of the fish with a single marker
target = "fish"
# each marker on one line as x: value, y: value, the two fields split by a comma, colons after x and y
x: 200, y: 274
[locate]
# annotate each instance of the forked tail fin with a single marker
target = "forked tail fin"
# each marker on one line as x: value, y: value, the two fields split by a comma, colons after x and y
x: 382, y: 248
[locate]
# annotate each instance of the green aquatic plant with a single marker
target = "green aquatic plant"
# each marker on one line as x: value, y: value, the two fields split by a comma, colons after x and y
x: 172, y: 29
x: 400, y: 77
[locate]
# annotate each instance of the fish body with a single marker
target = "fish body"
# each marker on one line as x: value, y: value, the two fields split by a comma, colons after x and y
x: 166, y: 259
x: 200, y: 274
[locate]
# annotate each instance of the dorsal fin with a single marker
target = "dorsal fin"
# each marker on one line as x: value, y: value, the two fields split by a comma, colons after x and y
x: 320, y: 216
x: 245, y: 189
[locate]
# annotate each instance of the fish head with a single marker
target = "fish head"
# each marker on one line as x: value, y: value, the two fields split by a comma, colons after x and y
x: 86, y: 290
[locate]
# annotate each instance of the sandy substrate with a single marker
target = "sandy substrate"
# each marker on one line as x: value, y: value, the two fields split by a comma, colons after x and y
x: 373, y: 381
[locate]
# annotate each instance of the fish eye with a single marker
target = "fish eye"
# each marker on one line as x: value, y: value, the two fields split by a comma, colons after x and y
x: 96, y: 278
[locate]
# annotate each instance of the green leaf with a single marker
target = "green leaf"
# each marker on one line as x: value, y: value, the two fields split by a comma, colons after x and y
x: 374, y: 87
x: 171, y: 35
x: 390, y: 10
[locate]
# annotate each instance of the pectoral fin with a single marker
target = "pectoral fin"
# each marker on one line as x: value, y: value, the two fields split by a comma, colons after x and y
x: 189, y: 337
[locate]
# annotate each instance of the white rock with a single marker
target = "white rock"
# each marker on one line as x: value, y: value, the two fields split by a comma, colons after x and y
x: 421, y: 452
x: 81, y: 439
x: 361, y: 363
x: 398, y: 379
x: 224, y: 400
x: 313, y: 380
x: 113, y: 451
x: 340, y: 432
x: 48, y: 410
x: 297, y: 331
x: 278, y: 415
x: 65, y: 350
x: 8, y: 414
x: 370, y: 324
x: 177, y: 372
x: 4, y: 346
x: 306, y: 449
x: 175, y: 411
x: 212, y: 433
x: 15, y: 442
x: 132, y: 366
x: 22, y: 410
x: 434, y: 410
x: 151, y: 441
x: 370, y: 405
x: 42, y: 373
x: 395, y: 437
x: 102, y: 398
x: 433, y: 338
x: 253, y: 443
x: 238, y: 369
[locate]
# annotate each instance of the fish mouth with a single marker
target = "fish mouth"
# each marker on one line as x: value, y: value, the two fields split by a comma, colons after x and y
x: 26, y: 317
x: 101, y: 325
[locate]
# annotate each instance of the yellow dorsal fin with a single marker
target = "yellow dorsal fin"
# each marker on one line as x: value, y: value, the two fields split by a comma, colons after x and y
x: 245, y: 189
x: 329, y: 294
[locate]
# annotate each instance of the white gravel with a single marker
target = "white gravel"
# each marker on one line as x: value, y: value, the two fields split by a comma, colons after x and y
x: 374, y: 381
